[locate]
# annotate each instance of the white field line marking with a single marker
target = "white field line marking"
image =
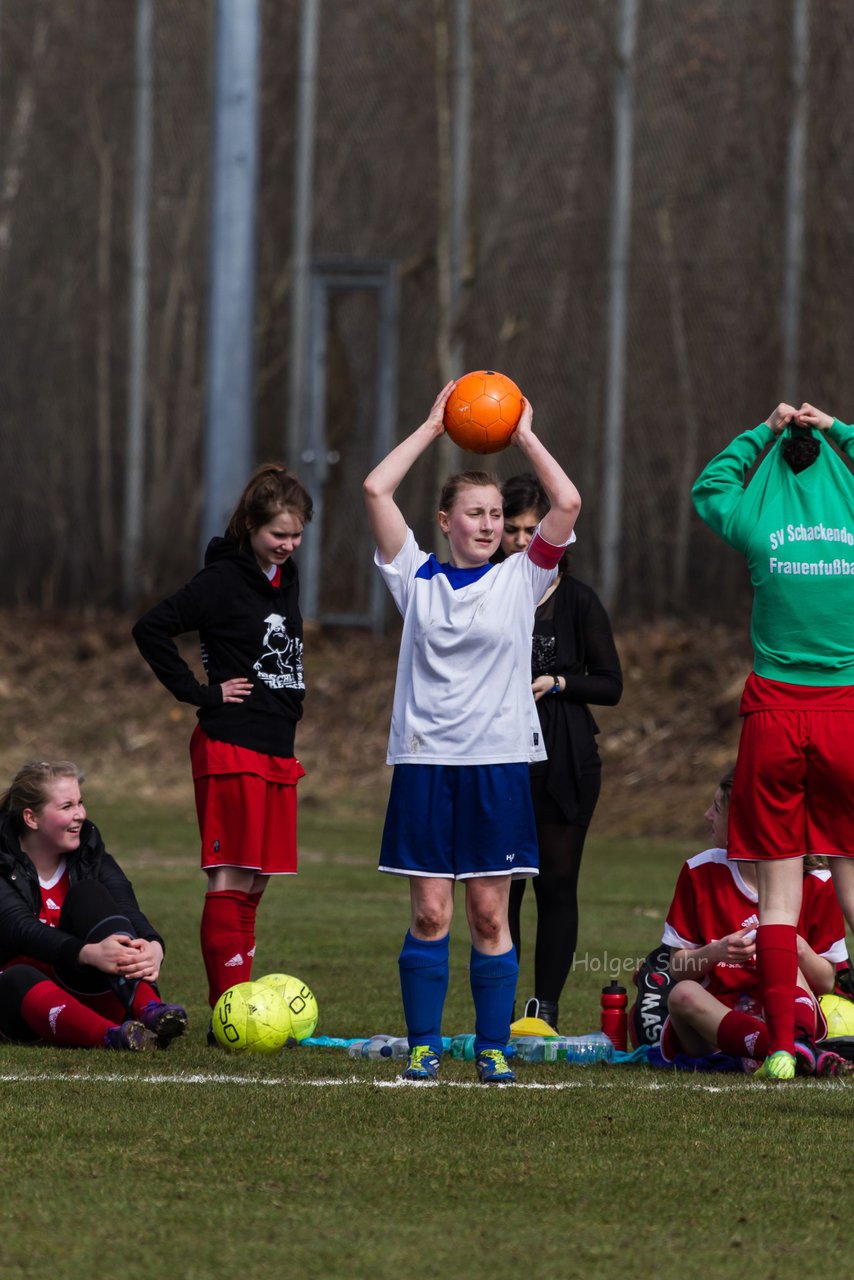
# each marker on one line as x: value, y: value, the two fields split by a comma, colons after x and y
x: 203, y: 1078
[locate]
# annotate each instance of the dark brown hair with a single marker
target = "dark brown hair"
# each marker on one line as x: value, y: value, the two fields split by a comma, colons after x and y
x: 725, y: 784
x: 524, y: 492
x: 271, y: 489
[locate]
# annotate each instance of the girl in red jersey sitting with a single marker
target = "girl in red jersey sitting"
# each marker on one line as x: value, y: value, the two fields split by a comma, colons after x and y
x: 715, y: 1001
x: 78, y: 959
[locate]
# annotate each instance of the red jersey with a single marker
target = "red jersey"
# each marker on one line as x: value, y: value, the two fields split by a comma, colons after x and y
x: 712, y: 899
x: 53, y: 893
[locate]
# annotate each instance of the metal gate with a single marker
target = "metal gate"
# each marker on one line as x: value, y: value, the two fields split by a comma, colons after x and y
x: 351, y: 390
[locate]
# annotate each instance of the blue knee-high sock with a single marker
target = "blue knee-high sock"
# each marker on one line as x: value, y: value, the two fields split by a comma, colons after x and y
x: 424, y: 985
x: 493, y: 987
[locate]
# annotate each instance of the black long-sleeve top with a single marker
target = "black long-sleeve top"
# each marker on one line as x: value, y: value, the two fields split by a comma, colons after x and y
x: 573, y: 639
x: 247, y: 627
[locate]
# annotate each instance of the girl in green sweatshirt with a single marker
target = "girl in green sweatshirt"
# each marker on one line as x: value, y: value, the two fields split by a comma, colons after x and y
x: 794, y: 784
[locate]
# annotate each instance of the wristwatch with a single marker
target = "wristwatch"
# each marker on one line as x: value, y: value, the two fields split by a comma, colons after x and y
x: 556, y: 686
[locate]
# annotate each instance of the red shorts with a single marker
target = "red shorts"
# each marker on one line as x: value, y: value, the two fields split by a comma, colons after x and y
x: 793, y: 791
x: 247, y: 819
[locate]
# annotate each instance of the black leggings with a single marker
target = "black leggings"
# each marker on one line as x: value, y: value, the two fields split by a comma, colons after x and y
x: 555, y: 888
x: 90, y: 914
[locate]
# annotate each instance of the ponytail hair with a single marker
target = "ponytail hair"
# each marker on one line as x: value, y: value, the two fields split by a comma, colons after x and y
x: 29, y: 787
x: 270, y: 490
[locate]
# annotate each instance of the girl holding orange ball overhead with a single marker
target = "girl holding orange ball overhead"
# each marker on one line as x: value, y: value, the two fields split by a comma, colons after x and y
x: 244, y: 604
x: 464, y: 729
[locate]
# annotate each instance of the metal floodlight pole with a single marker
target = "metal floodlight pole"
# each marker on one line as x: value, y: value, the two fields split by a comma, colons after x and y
x: 302, y: 218
x: 138, y: 321
x: 228, y: 446
x: 618, y: 270
x: 793, y: 254
x: 460, y: 168
x: 454, y: 125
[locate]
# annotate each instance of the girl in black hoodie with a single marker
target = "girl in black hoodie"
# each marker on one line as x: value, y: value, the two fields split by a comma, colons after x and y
x: 244, y: 604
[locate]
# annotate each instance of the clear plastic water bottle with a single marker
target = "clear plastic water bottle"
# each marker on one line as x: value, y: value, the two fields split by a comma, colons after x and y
x: 529, y: 1048
x: 594, y: 1047
x: 376, y: 1047
x: 578, y: 1050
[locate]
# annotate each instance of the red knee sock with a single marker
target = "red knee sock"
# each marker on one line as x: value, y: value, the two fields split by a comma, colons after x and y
x: 109, y: 1006
x: 228, y: 939
x: 253, y: 900
x: 777, y: 965
x: 57, y: 1018
x: 804, y: 1015
x: 143, y: 995
x: 743, y: 1036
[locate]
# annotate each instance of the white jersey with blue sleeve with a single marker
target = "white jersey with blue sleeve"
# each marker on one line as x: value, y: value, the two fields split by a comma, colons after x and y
x: 463, y: 688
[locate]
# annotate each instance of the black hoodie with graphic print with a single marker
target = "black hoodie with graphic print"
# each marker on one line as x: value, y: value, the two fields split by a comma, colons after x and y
x: 247, y: 627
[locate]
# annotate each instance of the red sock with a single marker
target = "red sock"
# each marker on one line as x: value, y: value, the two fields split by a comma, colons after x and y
x: 743, y: 1036
x: 804, y: 1015
x: 253, y: 899
x: 228, y: 940
x: 57, y: 1018
x: 144, y: 994
x: 777, y: 965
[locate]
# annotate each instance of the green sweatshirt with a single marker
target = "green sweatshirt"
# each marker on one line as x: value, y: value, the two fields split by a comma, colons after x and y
x: 797, y: 534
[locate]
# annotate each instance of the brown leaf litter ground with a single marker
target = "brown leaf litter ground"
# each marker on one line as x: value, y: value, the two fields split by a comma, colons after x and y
x: 75, y: 686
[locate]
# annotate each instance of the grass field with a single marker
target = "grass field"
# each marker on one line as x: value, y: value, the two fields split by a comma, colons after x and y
x: 195, y: 1164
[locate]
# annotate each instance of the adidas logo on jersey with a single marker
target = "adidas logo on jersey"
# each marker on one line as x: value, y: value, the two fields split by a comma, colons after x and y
x: 51, y: 905
x: 53, y: 1016
x: 234, y: 961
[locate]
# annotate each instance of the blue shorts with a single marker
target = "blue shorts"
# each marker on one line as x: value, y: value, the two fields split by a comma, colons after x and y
x: 456, y: 822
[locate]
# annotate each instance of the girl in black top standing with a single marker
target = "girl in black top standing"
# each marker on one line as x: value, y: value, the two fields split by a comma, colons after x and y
x: 573, y: 662
x: 244, y: 604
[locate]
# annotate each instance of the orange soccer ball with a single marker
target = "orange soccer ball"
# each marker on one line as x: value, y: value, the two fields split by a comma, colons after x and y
x: 482, y: 411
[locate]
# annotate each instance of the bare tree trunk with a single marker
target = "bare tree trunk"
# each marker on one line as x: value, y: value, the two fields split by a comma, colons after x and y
x: 448, y: 457
x: 691, y: 433
x: 163, y: 428
x: 18, y: 141
x: 618, y: 271
x: 103, y: 332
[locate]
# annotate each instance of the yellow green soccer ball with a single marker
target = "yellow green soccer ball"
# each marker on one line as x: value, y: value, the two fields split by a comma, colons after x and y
x: 251, y: 1018
x: 299, y: 1002
x: 839, y: 1015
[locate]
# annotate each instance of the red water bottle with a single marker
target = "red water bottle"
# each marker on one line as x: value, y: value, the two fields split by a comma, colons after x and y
x: 614, y: 1015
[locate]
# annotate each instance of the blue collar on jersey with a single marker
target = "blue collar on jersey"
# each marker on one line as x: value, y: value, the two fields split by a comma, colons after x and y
x: 456, y: 577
